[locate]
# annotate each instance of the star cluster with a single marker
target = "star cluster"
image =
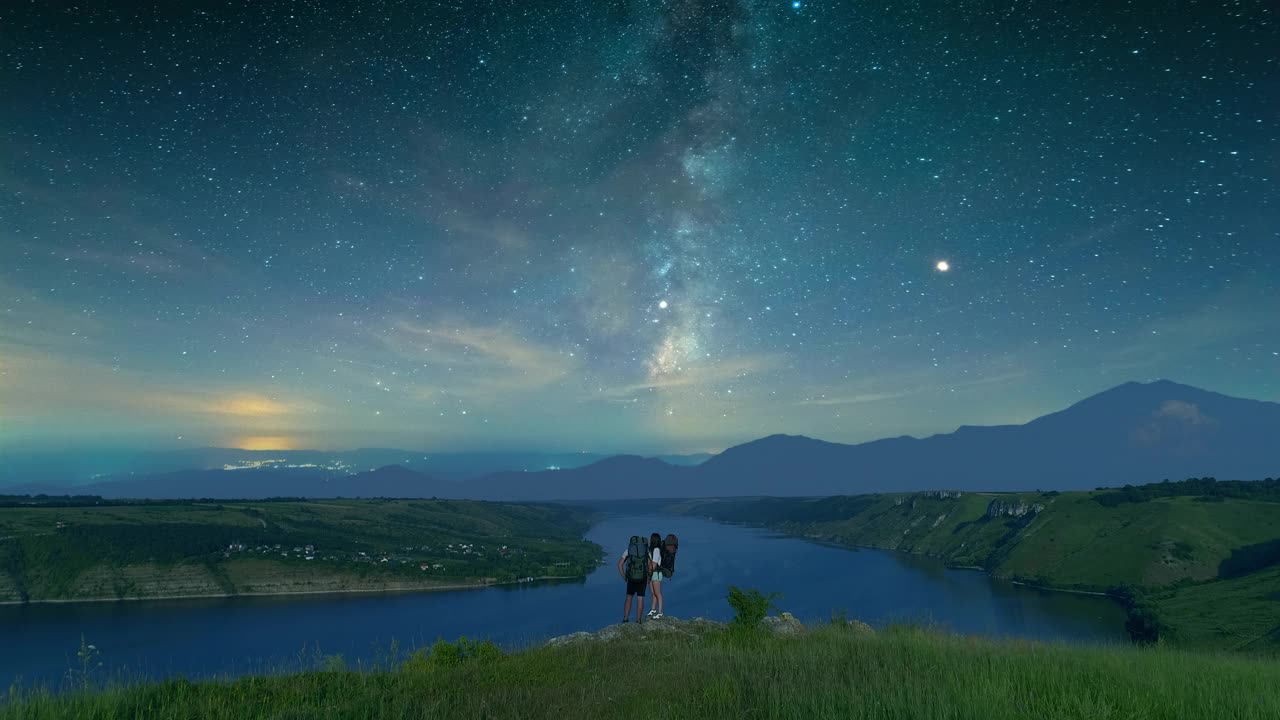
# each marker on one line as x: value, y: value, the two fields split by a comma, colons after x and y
x: 632, y: 226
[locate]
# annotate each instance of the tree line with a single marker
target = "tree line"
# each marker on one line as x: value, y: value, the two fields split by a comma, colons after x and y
x: 1207, y: 488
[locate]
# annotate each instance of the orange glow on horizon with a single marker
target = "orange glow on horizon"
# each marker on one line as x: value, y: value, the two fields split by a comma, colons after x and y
x: 267, y: 442
x: 249, y: 405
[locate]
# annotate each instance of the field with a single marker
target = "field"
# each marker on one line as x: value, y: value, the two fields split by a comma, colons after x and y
x: 830, y: 672
x: 153, y: 549
x: 1162, y: 551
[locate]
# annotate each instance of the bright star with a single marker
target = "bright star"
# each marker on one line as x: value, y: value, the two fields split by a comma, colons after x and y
x: 943, y: 266
x: 796, y: 5
x: 663, y: 304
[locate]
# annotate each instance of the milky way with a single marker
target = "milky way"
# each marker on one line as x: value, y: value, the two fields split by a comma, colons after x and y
x: 624, y: 226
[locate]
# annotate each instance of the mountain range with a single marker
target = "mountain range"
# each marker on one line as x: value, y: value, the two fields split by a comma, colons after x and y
x: 76, y: 467
x: 1134, y: 433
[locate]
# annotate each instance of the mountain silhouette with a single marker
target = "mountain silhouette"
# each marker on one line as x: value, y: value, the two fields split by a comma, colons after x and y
x: 616, y: 478
x: 1131, y: 434
x: 75, y: 466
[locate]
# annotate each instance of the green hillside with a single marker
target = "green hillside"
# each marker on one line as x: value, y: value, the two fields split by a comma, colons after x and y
x: 168, y: 549
x: 828, y: 672
x: 1166, y: 549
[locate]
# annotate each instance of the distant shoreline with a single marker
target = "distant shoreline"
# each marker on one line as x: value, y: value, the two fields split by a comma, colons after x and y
x: 939, y: 558
x: 1063, y: 590
x: 479, y: 585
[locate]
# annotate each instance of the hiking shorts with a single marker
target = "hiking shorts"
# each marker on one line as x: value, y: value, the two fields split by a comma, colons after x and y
x: 636, y: 587
x: 657, y: 576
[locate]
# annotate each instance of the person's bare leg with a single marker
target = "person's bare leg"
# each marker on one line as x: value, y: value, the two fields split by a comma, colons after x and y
x: 657, y: 596
x: 639, y: 608
x: 626, y: 609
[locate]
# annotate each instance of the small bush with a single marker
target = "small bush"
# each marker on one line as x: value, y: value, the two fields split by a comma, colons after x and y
x: 445, y: 654
x: 333, y: 664
x: 750, y: 606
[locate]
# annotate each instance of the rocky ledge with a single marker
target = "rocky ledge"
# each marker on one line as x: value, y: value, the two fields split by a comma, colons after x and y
x: 695, y: 629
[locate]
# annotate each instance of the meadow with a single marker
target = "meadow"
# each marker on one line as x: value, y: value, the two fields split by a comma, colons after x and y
x: 829, y: 672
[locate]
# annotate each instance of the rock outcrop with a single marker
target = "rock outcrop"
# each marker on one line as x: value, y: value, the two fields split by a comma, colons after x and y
x: 861, y: 628
x: 999, y: 508
x: 784, y: 624
x: 669, y: 627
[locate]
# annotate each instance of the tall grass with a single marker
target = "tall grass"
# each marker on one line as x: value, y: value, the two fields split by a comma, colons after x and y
x: 831, y: 672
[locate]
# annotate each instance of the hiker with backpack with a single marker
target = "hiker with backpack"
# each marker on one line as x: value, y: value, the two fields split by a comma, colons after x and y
x: 636, y: 566
x: 666, y: 560
x: 655, y: 579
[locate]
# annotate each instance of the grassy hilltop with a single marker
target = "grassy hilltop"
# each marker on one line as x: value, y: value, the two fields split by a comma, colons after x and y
x: 828, y: 672
x: 1198, y: 561
x: 174, y: 549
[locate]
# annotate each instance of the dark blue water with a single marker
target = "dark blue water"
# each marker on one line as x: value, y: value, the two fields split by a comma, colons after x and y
x: 233, y: 636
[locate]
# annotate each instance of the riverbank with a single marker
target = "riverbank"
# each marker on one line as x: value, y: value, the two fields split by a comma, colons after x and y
x: 1188, y: 569
x: 190, y: 549
x: 829, y: 671
x: 953, y: 566
x: 406, y: 590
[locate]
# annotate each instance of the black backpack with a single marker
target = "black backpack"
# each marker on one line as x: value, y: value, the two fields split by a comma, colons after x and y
x: 669, y: 548
x: 637, y: 567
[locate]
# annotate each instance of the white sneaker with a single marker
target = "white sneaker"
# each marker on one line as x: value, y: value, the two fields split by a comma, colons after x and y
x: 652, y: 613
x: 657, y: 616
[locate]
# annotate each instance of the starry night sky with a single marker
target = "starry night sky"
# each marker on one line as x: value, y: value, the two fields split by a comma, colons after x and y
x: 624, y: 226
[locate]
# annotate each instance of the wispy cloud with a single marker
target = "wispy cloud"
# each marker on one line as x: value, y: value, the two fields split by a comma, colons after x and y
x: 703, y: 375
x: 479, y: 362
x: 910, y: 385
x: 1239, y: 313
x: 859, y: 398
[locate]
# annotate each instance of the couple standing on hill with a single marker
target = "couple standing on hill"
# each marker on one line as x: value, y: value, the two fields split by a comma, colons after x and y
x: 646, y: 565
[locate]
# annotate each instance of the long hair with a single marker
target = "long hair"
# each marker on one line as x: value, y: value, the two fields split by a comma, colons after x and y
x: 655, y: 542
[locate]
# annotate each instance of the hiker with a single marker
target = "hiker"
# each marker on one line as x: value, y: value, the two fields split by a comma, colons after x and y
x: 666, y: 568
x: 635, y: 566
x: 655, y: 578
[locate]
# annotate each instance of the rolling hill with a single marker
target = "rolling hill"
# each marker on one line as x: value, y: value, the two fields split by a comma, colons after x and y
x: 1205, y: 554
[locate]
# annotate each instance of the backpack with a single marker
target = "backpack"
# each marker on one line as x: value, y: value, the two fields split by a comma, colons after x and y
x: 668, y: 565
x: 637, y: 567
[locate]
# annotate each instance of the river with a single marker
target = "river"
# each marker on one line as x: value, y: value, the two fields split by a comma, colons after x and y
x: 236, y: 636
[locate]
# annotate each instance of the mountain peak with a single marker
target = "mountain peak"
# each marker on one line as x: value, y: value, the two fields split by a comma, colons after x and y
x: 625, y: 460
x: 393, y: 469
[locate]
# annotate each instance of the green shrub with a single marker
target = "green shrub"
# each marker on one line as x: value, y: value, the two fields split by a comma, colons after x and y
x: 445, y: 654
x: 750, y: 606
x: 333, y: 664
